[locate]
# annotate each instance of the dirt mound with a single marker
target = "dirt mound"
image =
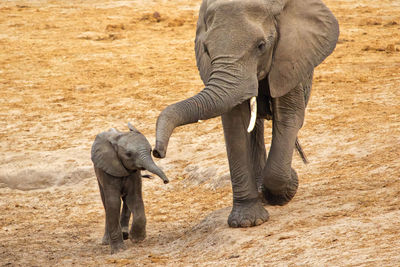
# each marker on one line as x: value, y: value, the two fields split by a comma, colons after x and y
x: 39, y: 170
x: 29, y: 179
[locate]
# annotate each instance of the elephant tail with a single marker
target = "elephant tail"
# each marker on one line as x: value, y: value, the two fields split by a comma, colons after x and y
x: 301, y: 151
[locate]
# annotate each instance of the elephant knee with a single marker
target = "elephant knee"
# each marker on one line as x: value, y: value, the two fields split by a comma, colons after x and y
x: 276, y: 179
x: 139, y: 221
x: 280, y: 187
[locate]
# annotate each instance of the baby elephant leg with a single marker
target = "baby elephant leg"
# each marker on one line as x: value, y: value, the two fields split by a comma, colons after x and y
x: 138, y: 228
x: 105, y: 240
x: 125, y: 216
x: 113, y: 206
x: 135, y: 204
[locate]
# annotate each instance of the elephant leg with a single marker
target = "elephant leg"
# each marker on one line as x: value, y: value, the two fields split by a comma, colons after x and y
x: 259, y: 154
x: 134, y: 201
x: 242, y: 150
x: 113, y: 207
x: 280, y: 180
x: 124, y: 220
x: 105, y: 240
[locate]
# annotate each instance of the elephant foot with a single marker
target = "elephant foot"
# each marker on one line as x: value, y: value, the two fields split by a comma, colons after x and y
x: 283, y: 197
x: 137, y: 235
x: 105, y: 240
x: 117, y: 247
x: 247, y: 213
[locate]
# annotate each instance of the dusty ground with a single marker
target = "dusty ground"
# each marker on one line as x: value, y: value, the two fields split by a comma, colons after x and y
x: 70, y: 69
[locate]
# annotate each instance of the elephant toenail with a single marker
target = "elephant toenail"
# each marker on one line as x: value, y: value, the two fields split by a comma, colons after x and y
x: 234, y: 224
x: 258, y: 222
x: 245, y: 223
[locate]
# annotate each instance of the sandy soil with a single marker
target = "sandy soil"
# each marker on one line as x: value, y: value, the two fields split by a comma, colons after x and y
x: 71, y: 69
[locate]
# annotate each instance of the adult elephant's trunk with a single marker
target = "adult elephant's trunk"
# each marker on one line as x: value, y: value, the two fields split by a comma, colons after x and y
x: 148, y: 164
x: 226, y: 88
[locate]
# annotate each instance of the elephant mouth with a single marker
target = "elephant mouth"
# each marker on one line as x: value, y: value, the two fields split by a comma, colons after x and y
x: 261, y: 75
x: 263, y: 87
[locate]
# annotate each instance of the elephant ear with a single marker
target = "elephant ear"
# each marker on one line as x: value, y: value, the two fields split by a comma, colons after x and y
x: 203, y: 60
x: 105, y: 157
x: 308, y: 33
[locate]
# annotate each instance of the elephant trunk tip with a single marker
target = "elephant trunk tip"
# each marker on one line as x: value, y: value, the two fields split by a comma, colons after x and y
x: 163, y: 177
x: 160, y: 150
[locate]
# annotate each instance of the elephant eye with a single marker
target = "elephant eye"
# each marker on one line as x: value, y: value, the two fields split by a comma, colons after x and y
x: 261, y: 46
x: 128, y: 154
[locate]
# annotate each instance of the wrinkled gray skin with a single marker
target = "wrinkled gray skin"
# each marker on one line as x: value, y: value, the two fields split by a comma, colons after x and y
x: 262, y: 48
x: 118, y: 158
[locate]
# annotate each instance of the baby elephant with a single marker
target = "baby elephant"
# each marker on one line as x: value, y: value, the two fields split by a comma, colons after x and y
x: 118, y: 158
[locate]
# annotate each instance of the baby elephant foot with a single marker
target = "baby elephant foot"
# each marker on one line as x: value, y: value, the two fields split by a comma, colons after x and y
x: 283, y: 197
x: 117, y: 247
x: 247, y: 213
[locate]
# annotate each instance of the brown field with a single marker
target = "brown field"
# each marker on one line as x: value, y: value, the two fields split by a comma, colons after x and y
x: 71, y: 69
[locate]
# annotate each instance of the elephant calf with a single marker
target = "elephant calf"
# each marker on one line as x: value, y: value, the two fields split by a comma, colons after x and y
x: 118, y: 158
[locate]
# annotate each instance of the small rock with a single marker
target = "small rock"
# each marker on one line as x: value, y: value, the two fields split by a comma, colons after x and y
x: 234, y: 256
x: 82, y: 87
x: 370, y: 22
x: 176, y: 23
x: 115, y: 27
x: 96, y: 36
x: 157, y: 16
x: 390, y: 48
x: 391, y: 23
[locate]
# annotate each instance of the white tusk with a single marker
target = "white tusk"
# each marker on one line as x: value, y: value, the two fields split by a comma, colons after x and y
x: 253, y: 116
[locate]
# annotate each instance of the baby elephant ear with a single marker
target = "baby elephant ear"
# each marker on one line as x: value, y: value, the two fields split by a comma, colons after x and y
x: 105, y: 157
x: 132, y: 128
x: 308, y: 33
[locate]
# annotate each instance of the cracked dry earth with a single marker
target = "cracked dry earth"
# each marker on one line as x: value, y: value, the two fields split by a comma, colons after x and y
x: 71, y: 69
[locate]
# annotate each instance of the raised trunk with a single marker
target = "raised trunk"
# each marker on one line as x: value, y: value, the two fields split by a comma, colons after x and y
x: 225, y: 89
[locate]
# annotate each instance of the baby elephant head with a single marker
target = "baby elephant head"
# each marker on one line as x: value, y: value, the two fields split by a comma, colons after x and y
x: 121, y: 153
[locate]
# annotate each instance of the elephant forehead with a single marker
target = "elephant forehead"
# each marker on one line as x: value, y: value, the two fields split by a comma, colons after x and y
x: 133, y: 142
x: 234, y: 8
x: 237, y: 20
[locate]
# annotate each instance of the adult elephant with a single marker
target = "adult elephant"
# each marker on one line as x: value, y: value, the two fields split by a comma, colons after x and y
x: 257, y: 48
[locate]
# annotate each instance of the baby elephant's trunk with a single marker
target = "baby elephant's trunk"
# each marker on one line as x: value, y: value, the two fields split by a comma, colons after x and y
x: 149, y: 165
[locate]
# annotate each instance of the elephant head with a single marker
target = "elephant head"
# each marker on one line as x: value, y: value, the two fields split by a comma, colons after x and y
x: 120, y: 153
x: 239, y: 43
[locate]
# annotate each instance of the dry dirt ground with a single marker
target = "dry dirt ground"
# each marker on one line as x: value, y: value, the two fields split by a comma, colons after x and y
x: 71, y: 69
